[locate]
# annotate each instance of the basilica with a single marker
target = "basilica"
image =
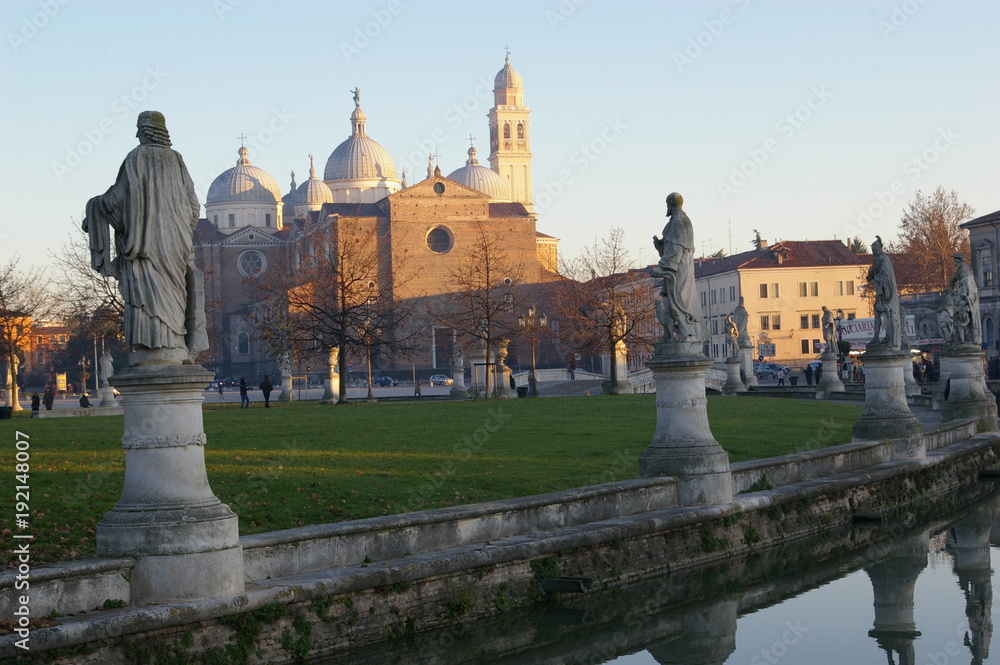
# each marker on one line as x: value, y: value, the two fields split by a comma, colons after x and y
x: 250, y: 227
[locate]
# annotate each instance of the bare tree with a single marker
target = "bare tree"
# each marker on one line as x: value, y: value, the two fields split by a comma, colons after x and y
x: 336, y: 291
x: 484, y: 294
x: 83, y: 291
x: 24, y: 299
x: 929, y: 233
x: 606, y: 301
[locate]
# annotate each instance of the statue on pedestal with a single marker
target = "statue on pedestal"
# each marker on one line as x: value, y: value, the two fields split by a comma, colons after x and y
x: 946, y: 315
x: 734, y: 334
x: 830, y: 331
x: 153, y: 209
x: 966, y: 294
x: 677, y: 309
x: 886, y: 297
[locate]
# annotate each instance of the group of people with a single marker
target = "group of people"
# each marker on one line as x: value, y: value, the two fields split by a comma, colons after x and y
x: 265, y: 389
x: 923, y: 371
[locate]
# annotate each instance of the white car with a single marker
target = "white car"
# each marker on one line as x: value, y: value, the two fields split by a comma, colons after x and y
x: 441, y: 380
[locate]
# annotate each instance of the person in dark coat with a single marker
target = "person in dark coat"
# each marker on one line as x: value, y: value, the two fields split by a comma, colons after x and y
x: 808, y: 371
x: 244, y: 398
x: 50, y: 397
x: 36, y: 403
x: 84, y: 401
x: 265, y: 389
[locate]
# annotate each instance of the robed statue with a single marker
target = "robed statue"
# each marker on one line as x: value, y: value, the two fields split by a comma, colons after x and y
x: 830, y: 331
x: 886, y: 297
x: 967, y: 327
x: 742, y: 317
x: 677, y: 309
x: 153, y: 209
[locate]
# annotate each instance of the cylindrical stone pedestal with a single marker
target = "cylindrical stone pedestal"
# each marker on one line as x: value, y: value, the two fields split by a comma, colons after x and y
x: 285, y: 383
x: 829, y: 382
x: 967, y: 393
x: 886, y: 414
x: 937, y: 396
x: 478, y: 359
x: 683, y: 445
x: 706, y: 637
x: 331, y: 390
x: 185, y: 541
x: 107, y: 394
x: 893, y: 582
x: 746, y: 356
x: 733, y: 383
x: 911, y: 387
x: 458, y: 388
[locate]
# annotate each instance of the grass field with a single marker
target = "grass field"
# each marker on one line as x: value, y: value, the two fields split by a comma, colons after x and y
x: 303, y: 463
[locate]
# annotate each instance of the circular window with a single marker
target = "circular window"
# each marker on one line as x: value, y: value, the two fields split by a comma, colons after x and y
x: 439, y: 239
x: 252, y: 263
x: 439, y: 187
x: 251, y: 237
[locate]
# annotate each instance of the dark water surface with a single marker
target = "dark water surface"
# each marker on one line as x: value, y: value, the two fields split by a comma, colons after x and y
x: 919, y: 594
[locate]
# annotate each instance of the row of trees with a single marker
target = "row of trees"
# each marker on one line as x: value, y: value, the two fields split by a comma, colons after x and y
x: 335, y: 293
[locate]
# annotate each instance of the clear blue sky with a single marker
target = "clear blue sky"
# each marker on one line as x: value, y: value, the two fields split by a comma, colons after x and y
x: 787, y: 117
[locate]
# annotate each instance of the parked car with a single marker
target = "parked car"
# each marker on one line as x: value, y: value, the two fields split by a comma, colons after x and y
x: 442, y: 380
x: 385, y: 381
x: 768, y: 370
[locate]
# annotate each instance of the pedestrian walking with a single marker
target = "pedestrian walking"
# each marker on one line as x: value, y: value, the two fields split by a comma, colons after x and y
x: 221, y: 396
x: 244, y: 398
x: 781, y: 376
x: 416, y: 388
x: 265, y: 390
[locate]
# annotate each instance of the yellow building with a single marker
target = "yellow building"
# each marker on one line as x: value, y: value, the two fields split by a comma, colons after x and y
x: 784, y: 288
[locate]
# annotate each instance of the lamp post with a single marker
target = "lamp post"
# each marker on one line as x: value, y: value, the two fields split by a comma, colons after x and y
x: 366, y: 327
x: 84, y: 366
x: 530, y: 322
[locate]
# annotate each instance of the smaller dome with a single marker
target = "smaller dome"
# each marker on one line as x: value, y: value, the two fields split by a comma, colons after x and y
x: 243, y: 184
x: 313, y: 191
x: 507, y: 77
x: 482, y: 179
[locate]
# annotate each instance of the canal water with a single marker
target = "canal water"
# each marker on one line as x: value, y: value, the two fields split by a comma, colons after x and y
x: 897, y: 593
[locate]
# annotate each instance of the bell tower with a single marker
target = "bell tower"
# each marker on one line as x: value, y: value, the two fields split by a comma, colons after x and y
x: 510, y: 134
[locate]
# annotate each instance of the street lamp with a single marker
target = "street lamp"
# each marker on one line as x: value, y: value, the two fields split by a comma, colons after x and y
x: 529, y: 322
x: 366, y: 329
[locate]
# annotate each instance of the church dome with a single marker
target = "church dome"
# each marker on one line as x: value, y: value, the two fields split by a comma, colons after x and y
x: 359, y: 156
x: 507, y: 77
x: 313, y: 191
x: 243, y: 184
x: 482, y: 179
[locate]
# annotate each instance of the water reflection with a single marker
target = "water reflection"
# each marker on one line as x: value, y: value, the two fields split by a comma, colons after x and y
x: 807, y: 603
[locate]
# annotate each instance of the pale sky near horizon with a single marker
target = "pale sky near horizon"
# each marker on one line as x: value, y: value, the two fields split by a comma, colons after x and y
x: 804, y: 120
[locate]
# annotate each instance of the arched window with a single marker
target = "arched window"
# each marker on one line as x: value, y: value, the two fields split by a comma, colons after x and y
x: 520, y: 130
x: 985, y: 251
x: 989, y: 333
x: 506, y: 130
x: 243, y: 344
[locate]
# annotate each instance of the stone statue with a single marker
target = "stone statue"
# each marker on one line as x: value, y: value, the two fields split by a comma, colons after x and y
x: 886, y: 296
x: 357, y: 97
x: 284, y: 364
x: 153, y: 209
x: 946, y: 316
x: 742, y: 318
x: 677, y: 309
x: 966, y: 294
x: 733, y: 331
x: 830, y: 331
x: 904, y: 334
x: 457, y: 358
x: 107, y: 369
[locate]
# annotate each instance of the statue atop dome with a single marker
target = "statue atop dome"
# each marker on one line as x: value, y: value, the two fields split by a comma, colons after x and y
x: 357, y: 97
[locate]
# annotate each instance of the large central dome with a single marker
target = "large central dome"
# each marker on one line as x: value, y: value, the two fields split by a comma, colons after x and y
x: 359, y: 156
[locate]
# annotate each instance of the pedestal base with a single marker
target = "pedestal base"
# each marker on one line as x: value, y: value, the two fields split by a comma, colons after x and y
x: 683, y: 445
x: 185, y: 540
x: 107, y: 395
x: 733, y: 382
x: 968, y: 396
x: 746, y: 356
x: 458, y: 389
x: 331, y: 390
x: 886, y: 414
x: 829, y: 382
x: 285, y: 383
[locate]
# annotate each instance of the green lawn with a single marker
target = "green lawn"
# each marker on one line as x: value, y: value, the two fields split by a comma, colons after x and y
x: 304, y: 463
